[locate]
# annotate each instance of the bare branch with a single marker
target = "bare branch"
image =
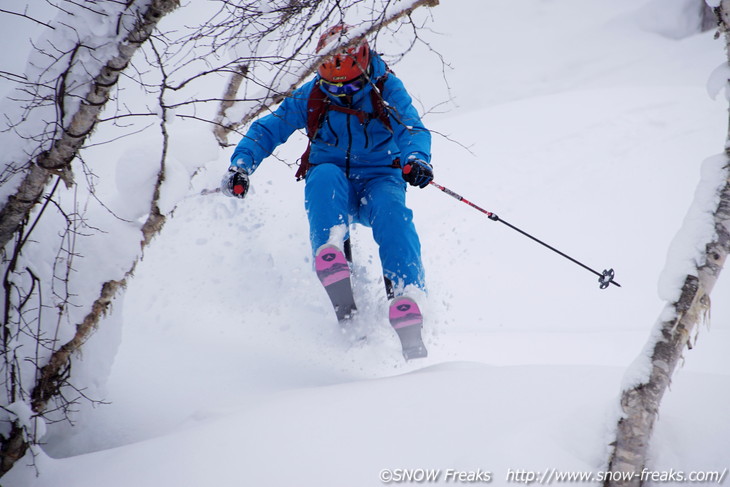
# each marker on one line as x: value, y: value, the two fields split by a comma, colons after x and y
x: 274, y: 97
x: 28, y: 17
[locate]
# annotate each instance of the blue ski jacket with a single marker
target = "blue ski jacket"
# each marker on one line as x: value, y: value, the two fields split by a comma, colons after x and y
x: 363, y: 149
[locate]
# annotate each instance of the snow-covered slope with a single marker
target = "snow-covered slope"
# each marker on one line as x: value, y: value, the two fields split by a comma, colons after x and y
x: 579, y: 121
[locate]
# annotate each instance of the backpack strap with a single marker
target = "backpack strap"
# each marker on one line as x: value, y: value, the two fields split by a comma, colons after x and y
x: 317, y: 105
x: 379, y: 106
x: 362, y: 117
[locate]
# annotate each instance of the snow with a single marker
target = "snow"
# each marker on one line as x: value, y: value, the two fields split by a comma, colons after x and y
x: 580, y: 121
x: 718, y: 81
x: 686, y: 251
x: 672, y: 18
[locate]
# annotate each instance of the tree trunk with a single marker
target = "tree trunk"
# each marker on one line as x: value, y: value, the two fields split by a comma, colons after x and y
x: 57, y: 159
x: 640, y: 403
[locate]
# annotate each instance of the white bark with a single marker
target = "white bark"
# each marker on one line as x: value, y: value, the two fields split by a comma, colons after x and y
x: 57, y: 159
x: 640, y: 403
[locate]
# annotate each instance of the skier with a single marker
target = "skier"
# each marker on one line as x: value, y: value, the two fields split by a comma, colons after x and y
x: 366, y: 140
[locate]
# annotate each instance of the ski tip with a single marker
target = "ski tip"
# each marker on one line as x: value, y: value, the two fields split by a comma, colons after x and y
x: 407, y: 321
x: 404, y: 312
x: 331, y: 265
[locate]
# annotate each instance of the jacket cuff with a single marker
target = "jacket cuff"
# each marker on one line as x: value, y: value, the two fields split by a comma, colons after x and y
x: 242, y: 163
x: 419, y: 155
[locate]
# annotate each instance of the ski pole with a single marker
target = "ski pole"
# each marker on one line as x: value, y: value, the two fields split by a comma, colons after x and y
x: 604, y: 279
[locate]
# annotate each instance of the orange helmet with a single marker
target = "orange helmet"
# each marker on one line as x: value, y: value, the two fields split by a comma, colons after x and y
x: 345, y: 66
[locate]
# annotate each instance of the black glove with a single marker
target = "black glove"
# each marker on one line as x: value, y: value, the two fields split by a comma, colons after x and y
x: 235, y: 182
x: 417, y: 172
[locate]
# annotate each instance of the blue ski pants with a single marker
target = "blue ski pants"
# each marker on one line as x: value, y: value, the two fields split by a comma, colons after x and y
x: 332, y: 200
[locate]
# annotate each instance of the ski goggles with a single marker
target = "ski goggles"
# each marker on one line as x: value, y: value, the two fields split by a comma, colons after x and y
x: 343, y: 89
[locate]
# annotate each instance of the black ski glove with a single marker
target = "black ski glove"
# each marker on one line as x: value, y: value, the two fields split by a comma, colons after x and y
x: 417, y: 172
x: 235, y: 182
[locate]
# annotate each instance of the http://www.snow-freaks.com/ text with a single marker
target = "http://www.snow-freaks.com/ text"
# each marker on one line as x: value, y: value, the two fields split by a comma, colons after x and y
x: 548, y: 476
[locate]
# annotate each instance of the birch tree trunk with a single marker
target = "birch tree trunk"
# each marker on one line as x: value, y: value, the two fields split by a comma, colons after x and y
x: 57, y: 158
x: 640, y: 402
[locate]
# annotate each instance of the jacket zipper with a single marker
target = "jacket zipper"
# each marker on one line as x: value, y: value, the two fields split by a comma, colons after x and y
x: 349, y: 147
x: 329, y: 124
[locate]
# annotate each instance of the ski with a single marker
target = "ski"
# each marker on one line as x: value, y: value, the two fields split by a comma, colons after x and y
x: 333, y: 271
x: 407, y: 321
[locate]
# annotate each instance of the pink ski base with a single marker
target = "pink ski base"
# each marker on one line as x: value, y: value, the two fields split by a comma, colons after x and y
x: 404, y: 312
x: 331, y: 265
